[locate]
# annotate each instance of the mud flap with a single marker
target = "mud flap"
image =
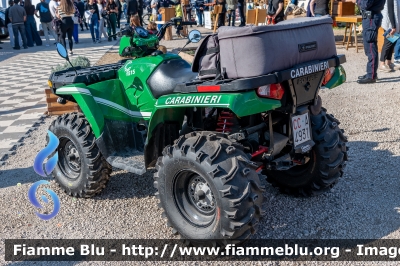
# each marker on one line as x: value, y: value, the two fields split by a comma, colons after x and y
x: 122, y: 144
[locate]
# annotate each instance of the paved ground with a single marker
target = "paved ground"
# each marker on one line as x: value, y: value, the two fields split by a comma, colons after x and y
x: 364, y: 204
x: 23, y: 78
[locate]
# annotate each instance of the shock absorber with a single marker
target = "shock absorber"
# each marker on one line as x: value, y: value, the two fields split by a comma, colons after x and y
x: 226, y: 121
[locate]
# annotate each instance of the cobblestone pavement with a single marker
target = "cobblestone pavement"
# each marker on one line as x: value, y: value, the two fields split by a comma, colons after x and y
x: 23, y: 78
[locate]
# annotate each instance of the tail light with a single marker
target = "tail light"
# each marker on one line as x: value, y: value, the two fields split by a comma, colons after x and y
x: 210, y: 88
x: 273, y: 91
x: 328, y: 75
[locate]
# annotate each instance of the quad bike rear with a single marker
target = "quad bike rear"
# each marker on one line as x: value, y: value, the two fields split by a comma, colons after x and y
x: 211, y: 140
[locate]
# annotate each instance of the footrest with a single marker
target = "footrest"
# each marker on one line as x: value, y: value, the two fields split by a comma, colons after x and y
x: 132, y: 161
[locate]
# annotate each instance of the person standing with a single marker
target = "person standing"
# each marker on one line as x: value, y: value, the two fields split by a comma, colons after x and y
x: 371, y: 21
x: 319, y: 8
x: 132, y: 8
x: 112, y: 10
x: 241, y: 4
x: 390, y: 22
x: 178, y: 14
x: 199, y: 6
x: 275, y: 12
x: 103, y: 19
x: 232, y: 5
x: 396, y: 62
x: 124, y: 9
x: 119, y: 7
x: 94, y: 20
x: 32, y: 34
x: 77, y: 20
x: 222, y: 15
x: 17, y: 16
x: 154, y: 10
x: 188, y: 10
x: 65, y: 12
x: 56, y: 23
x: 9, y: 25
x: 2, y: 28
x: 45, y: 19
x: 81, y: 9
x: 140, y: 11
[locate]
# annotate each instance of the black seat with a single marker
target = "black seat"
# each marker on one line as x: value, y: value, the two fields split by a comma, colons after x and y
x: 170, y: 73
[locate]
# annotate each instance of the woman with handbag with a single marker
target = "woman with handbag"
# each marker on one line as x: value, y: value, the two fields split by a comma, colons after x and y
x: 112, y: 10
x: 103, y: 19
x: 65, y: 11
x: 93, y: 17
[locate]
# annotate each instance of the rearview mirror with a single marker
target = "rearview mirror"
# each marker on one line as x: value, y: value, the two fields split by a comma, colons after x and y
x: 64, y: 54
x: 194, y: 36
x: 62, y: 51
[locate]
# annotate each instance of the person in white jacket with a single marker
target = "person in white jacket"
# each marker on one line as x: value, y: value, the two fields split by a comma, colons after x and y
x: 390, y: 21
x: 102, y: 29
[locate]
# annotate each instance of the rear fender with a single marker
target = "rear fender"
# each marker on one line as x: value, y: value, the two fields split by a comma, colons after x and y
x: 167, y: 120
x: 88, y: 105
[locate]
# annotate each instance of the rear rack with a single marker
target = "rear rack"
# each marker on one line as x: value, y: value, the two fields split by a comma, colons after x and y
x: 87, y: 75
x: 244, y: 84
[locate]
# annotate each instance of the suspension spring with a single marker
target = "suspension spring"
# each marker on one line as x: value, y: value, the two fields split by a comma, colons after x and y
x: 225, y: 122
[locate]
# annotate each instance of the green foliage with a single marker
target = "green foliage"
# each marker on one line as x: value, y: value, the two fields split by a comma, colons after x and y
x: 78, y: 61
x: 357, y: 11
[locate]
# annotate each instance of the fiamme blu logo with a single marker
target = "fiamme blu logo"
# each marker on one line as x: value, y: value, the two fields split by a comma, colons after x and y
x: 44, y: 170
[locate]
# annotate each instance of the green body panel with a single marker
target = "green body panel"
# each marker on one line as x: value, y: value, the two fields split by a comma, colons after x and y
x: 88, y: 105
x: 128, y: 98
x: 242, y: 104
x: 172, y: 107
x: 339, y: 77
x: 123, y: 43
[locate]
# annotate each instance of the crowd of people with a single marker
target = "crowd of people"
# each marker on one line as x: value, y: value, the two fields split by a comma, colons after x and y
x: 60, y: 20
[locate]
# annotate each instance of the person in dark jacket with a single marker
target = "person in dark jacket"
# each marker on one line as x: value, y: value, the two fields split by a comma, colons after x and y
x: 81, y: 9
x: 140, y: 11
x: 371, y: 21
x: 222, y: 15
x: 32, y: 34
x: 9, y: 24
x: 112, y: 11
x: 17, y: 16
x: 241, y: 4
x: 118, y: 2
x: 131, y: 8
x: 278, y: 16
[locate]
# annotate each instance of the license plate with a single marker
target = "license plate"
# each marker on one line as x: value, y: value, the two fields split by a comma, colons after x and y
x: 301, y: 129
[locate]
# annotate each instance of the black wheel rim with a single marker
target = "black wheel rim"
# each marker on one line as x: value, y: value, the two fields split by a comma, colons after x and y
x: 69, y: 158
x: 194, y: 198
x: 301, y: 170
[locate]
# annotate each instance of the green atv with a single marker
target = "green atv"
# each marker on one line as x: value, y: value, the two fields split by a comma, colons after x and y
x: 210, y: 141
